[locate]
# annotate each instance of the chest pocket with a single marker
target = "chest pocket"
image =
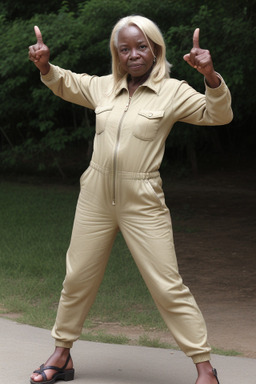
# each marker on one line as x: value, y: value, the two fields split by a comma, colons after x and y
x: 147, y: 124
x: 102, y: 114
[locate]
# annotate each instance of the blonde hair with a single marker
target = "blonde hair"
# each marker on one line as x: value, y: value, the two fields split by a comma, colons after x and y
x: 151, y: 31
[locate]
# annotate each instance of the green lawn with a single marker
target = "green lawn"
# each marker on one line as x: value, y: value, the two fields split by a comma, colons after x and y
x: 35, y: 225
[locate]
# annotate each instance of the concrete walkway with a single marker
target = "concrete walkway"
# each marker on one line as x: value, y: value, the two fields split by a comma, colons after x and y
x: 23, y: 348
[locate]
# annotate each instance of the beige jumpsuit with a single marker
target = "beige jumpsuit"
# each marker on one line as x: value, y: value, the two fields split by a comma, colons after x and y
x: 122, y: 190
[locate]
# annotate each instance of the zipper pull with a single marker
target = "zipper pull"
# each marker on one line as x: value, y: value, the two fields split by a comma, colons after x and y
x: 127, y: 105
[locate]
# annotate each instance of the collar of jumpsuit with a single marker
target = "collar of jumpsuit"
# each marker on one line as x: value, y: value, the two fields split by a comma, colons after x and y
x: 149, y: 83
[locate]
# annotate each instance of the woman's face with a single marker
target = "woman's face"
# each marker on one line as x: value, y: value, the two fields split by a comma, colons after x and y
x: 134, y: 53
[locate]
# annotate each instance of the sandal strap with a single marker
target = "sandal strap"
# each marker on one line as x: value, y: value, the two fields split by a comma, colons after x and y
x: 65, y: 365
x: 59, y: 370
x: 38, y: 370
x: 215, y: 374
x: 43, y: 368
x: 41, y: 372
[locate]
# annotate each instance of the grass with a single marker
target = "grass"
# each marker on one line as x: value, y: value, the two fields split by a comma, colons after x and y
x: 143, y: 340
x: 146, y: 341
x: 35, y: 226
x: 227, y: 352
x: 104, y: 337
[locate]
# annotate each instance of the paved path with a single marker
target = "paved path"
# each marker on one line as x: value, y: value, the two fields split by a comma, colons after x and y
x: 23, y: 348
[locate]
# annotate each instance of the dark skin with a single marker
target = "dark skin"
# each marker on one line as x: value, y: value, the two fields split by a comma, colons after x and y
x: 39, y: 53
x: 201, y: 60
x: 137, y: 59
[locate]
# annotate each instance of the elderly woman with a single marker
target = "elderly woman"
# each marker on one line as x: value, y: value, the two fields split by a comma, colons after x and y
x: 136, y: 107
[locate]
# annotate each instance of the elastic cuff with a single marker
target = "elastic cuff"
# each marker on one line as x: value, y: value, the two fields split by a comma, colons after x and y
x: 63, y: 344
x: 200, y: 358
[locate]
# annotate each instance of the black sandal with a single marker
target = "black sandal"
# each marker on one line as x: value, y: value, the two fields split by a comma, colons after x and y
x: 61, y: 374
x: 215, y: 374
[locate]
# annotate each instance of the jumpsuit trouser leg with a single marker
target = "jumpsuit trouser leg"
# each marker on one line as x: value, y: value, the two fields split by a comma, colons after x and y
x: 145, y: 223
x: 144, y: 220
x: 93, y: 235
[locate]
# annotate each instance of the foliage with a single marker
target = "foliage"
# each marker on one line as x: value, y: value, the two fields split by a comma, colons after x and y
x: 37, y: 127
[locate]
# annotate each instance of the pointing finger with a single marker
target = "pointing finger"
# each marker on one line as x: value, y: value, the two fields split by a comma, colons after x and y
x: 38, y: 35
x: 196, y: 38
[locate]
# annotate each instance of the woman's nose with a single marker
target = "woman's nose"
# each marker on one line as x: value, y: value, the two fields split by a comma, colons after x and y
x: 134, y: 54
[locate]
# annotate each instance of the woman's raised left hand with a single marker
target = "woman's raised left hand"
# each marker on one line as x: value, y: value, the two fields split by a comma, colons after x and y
x: 201, y: 60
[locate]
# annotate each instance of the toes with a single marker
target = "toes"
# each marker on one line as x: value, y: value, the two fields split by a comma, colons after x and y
x: 37, y: 377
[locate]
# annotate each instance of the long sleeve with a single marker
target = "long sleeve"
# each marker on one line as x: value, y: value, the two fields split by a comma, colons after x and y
x: 81, y: 89
x: 213, y: 108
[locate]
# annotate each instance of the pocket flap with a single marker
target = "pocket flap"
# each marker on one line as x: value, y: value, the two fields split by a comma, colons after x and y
x: 104, y: 108
x: 151, y: 114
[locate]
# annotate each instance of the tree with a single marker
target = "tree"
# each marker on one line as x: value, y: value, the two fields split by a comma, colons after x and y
x: 37, y: 128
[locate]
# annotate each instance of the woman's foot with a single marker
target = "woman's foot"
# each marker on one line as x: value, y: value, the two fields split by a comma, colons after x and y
x: 206, y: 373
x: 57, y: 359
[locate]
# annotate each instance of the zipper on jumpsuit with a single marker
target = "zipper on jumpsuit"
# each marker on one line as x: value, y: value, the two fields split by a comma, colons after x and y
x: 116, y: 151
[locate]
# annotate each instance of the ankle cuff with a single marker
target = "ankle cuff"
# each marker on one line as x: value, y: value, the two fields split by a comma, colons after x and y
x: 63, y: 344
x: 200, y: 358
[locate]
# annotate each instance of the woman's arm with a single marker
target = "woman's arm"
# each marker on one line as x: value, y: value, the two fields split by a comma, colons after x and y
x: 72, y: 87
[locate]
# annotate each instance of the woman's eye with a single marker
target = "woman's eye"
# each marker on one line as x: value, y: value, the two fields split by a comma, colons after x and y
x: 143, y: 46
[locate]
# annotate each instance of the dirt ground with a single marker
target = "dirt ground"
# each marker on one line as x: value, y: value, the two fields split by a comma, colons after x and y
x: 214, y: 220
